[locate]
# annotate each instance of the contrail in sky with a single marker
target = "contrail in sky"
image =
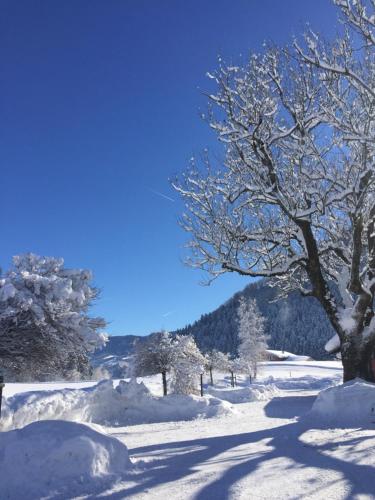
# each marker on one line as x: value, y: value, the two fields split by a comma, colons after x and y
x: 161, y: 195
x: 167, y: 314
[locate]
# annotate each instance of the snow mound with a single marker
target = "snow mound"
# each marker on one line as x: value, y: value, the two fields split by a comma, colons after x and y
x: 347, y: 405
x: 130, y: 403
x: 307, y: 382
x: 57, y: 459
x: 255, y: 392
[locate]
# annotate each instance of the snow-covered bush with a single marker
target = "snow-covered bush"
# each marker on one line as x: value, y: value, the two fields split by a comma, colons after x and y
x: 45, y: 331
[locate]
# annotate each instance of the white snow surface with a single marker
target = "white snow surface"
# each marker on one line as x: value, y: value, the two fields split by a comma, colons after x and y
x: 128, y: 403
x: 255, y: 392
x: 57, y: 459
x: 270, y: 449
x: 348, y: 405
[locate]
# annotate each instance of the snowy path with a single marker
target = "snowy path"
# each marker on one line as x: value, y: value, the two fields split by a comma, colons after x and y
x: 261, y: 453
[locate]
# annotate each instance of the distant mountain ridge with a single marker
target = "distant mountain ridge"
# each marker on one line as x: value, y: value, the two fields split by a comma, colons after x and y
x: 297, y: 324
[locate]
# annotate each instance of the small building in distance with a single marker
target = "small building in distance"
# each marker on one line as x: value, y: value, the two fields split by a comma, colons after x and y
x: 272, y: 355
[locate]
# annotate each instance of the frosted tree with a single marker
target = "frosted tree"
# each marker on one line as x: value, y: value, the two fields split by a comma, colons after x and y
x: 215, y: 360
x: 45, y: 331
x: 158, y: 354
x: 236, y: 366
x: 188, y: 366
x: 232, y: 368
x: 294, y: 200
x: 251, y: 334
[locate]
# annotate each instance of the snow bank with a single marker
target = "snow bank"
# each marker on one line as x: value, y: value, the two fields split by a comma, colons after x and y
x: 307, y: 382
x: 348, y: 405
x: 255, y: 392
x: 129, y: 403
x: 57, y: 459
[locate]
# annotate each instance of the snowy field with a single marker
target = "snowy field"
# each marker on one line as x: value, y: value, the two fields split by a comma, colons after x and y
x: 264, y: 443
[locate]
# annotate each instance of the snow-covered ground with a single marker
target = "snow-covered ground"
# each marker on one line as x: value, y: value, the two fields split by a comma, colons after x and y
x: 263, y: 449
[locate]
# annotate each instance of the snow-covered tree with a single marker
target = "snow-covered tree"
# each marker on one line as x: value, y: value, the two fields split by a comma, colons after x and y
x: 189, y: 364
x: 158, y: 354
x: 295, y: 198
x: 251, y: 333
x: 45, y: 331
x: 178, y: 355
x: 215, y: 360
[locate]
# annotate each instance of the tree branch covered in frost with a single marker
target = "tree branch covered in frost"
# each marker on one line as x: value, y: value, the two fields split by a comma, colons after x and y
x: 44, y: 327
x: 294, y: 200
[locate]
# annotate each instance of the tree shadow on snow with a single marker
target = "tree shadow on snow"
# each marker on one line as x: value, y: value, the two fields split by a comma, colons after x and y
x: 183, y: 458
x: 289, y: 406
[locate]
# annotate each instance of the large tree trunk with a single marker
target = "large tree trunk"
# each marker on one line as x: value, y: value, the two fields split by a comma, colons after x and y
x: 357, y: 362
x: 211, y: 377
x: 164, y: 376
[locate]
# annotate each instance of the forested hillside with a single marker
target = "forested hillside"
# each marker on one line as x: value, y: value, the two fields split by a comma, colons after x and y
x: 297, y: 324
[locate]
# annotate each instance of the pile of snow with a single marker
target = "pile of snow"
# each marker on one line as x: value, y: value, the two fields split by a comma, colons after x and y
x: 347, y: 405
x: 306, y: 383
x: 255, y: 392
x: 129, y: 403
x: 57, y: 459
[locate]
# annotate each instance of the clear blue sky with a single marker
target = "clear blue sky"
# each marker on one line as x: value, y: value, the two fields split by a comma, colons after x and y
x: 100, y: 106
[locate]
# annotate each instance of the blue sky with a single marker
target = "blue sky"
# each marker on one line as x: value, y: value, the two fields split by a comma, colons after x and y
x: 100, y: 107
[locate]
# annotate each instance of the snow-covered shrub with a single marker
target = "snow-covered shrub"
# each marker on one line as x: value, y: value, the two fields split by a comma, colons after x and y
x: 45, y: 331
